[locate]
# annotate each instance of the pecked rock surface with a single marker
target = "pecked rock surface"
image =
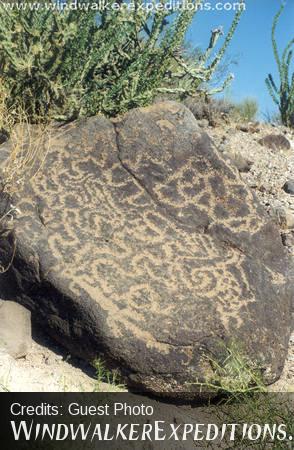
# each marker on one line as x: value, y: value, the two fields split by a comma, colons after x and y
x: 138, y: 243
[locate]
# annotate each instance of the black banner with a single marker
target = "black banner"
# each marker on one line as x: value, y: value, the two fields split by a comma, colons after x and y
x: 126, y: 421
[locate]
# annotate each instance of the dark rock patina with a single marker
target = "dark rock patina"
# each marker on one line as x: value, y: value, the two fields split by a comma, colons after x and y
x: 289, y: 187
x: 138, y: 243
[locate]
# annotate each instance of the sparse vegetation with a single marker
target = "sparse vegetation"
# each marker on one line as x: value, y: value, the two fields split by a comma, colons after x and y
x: 234, y: 376
x: 214, y: 109
x: 246, y: 110
x: 27, y: 147
x: 263, y: 412
x: 211, y: 109
x: 244, y: 399
x: 104, y: 375
x: 283, y: 95
x: 72, y: 63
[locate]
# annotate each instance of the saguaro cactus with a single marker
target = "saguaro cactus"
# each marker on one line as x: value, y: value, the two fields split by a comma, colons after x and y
x: 283, y: 95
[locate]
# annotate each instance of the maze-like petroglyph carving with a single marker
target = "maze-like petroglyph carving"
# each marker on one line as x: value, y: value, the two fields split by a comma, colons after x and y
x: 157, y: 242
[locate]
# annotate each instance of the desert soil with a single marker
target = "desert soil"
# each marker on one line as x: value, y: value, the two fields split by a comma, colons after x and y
x: 49, y: 368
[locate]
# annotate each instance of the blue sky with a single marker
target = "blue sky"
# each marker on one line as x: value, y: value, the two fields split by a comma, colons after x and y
x: 251, y: 45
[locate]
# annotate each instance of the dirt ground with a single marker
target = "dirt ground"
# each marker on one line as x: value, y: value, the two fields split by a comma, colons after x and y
x: 49, y: 368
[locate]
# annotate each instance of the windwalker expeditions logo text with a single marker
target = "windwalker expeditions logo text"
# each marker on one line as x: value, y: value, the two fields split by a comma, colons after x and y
x: 156, y: 431
x: 105, y: 5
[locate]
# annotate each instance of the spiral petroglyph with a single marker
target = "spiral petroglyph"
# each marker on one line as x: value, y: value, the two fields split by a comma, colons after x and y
x: 139, y: 243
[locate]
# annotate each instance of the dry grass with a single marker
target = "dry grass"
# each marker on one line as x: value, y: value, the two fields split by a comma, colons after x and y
x: 234, y: 376
x: 28, y: 149
x: 28, y: 146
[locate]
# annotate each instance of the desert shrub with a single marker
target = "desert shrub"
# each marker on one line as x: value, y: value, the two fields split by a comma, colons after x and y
x: 6, y: 119
x: 246, y: 110
x: 222, y: 106
x: 199, y: 106
x: 233, y: 375
x: 104, y: 375
x: 209, y: 108
x: 243, y: 398
x: 283, y: 95
x: 215, y: 109
x: 69, y: 63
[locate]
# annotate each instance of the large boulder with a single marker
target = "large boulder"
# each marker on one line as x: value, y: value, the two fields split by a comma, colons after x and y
x: 138, y: 243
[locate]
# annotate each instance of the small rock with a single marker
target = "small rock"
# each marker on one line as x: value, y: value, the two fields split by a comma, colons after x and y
x: 289, y: 220
x: 288, y: 239
x: 284, y: 218
x: 230, y: 133
x: 203, y: 123
x: 262, y: 188
x: 222, y: 148
x: 275, y: 141
x: 289, y: 187
x: 242, y: 164
x: 3, y: 137
x: 248, y: 128
x: 243, y: 128
x: 252, y: 184
x: 15, y: 329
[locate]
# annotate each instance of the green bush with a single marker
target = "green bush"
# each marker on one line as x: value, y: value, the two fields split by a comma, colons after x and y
x: 246, y: 110
x: 283, y: 95
x: 233, y: 374
x: 72, y: 63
